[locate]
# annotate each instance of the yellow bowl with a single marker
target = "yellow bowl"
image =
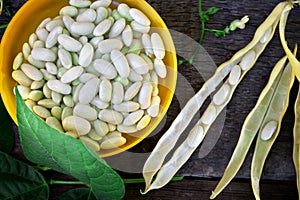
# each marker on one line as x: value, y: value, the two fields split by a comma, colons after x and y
x: 29, y: 17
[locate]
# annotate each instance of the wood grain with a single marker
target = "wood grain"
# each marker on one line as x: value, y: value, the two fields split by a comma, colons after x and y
x: 202, y: 173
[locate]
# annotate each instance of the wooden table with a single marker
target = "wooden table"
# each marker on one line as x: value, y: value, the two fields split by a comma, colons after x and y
x: 202, y: 174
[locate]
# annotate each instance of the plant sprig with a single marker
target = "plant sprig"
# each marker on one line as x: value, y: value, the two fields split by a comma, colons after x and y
x: 204, y: 17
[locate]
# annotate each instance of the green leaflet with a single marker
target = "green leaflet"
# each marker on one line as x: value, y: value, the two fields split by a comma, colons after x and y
x: 78, y: 194
x: 47, y: 146
x: 7, y: 133
x: 20, y: 181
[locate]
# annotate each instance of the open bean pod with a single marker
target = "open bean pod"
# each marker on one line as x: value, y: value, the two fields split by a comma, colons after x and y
x: 236, y: 68
x: 250, y: 128
x: 296, y: 149
x: 270, y: 126
x: 292, y: 58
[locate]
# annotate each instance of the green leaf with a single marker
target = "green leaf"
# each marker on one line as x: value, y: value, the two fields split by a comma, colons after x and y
x: 20, y: 181
x: 7, y: 133
x: 205, y: 18
x: 47, y: 146
x: 78, y: 194
x: 211, y: 10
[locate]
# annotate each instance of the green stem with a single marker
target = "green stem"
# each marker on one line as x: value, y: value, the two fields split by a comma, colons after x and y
x: 141, y: 180
x: 3, y: 26
x: 126, y: 181
x: 57, y: 182
x: 8, y: 11
x: 190, y: 60
x: 202, y: 21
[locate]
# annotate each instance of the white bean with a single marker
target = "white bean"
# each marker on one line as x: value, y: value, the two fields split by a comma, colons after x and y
x: 127, y: 129
x: 247, y: 60
x: 82, y: 28
x: 127, y: 106
x: 26, y: 50
x: 222, y: 95
x: 139, y: 17
x: 42, y: 34
x: 132, y: 91
x: 145, y: 95
x: 123, y: 9
x: 102, y: 3
x: 137, y: 63
x: 90, y: 143
x: 133, y: 118
x: 160, y: 68
x: 51, y: 68
x: 69, y: 43
x: 85, y: 111
x: 234, y: 75
x: 139, y: 28
x: 106, y: 46
x: 268, y: 130
x: 134, y: 77
x: 65, y: 58
x: 117, y: 28
x: 80, y: 3
x: 88, y: 15
x: 102, y: 13
x: 120, y: 63
x: 72, y: 74
x: 59, y: 87
x: 44, y: 22
x: 53, y: 24
x: 77, y: 124
x: 146, y: 41
x: 52, y: 37
x: 127, y: 35
x: 86, y: 77
x: 89, y: 91
x: 117, y: 93
x: 31, y: 72
x: 102, y: 27
x: 105, y: 68
x: 43, y: 54
x: 100, y: 127
x: 99, y: 104
x: 266, y: 36
x: 153, y: 110
x: 111, y: 116
x: 69, y: 10
x: 113, y: 142
x: 41, y: 112
x: 21, y: 78
x: 144, y: 122
x: 32, y: 38
x: 209, y: 115
x: 158, y: 46
x: 36, y: 63
x: 68, y: 21
x: 86, y: 55
x: 105, y: 90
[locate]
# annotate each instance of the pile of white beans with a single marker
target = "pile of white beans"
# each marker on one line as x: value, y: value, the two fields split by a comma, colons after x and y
x: 92, y: 72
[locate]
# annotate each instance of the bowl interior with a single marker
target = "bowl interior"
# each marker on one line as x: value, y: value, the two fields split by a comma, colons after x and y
x: 29, y: 17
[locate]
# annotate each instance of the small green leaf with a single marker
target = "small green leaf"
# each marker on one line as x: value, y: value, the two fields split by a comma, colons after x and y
x: 211, y: 10
x: 205, y: 18
x: 47, y: 146
x: 78, y: 194
x: 20, y: 181
x: 7, y: 133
